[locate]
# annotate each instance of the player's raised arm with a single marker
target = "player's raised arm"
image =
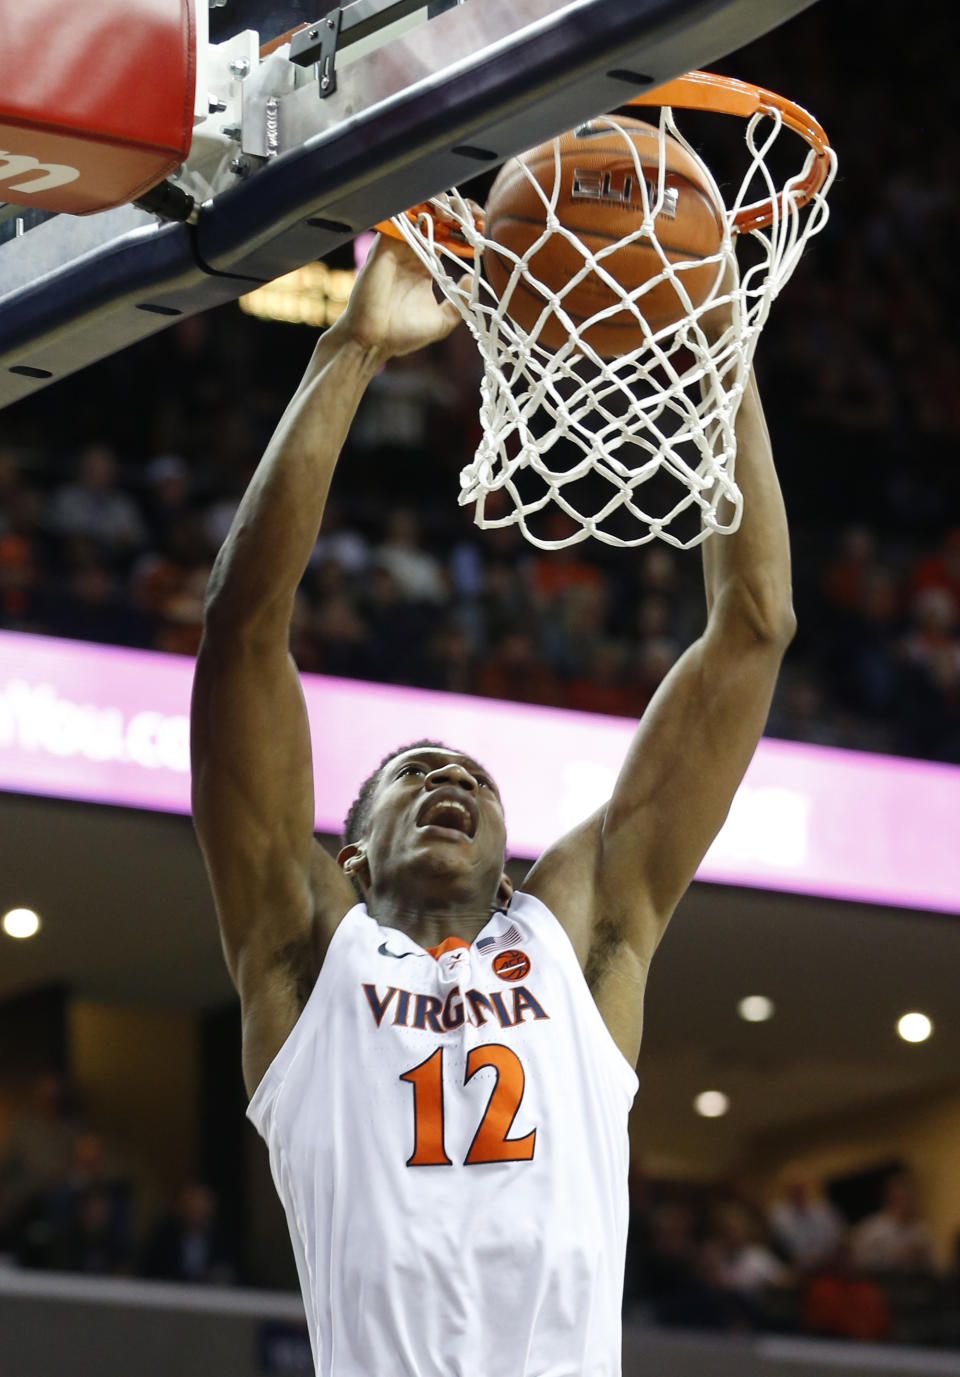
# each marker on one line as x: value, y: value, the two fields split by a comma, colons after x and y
x: 279, y: 895
x: 702, y: 727
x: 627, y: 867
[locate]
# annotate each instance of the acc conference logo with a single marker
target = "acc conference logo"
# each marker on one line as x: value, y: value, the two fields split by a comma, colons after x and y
x: 512, y: 965
x: 23, y: 165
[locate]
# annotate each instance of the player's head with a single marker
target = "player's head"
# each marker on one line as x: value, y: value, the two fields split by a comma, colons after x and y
x: 427, y: 828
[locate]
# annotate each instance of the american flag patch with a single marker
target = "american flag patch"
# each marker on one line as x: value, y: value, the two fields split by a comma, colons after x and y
x: 510, y: 938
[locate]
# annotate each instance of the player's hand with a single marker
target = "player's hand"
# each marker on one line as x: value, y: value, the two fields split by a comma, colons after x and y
x: 392, y: 309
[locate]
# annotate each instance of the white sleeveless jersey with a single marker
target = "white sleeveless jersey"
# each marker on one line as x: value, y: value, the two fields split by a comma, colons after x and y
x: 449, y: 1139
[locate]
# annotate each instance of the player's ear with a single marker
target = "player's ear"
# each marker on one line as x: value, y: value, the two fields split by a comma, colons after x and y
x: 504, y: 890
x: 352, y: 860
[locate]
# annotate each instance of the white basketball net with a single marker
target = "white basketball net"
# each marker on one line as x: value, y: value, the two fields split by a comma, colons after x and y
x: 638, y: 447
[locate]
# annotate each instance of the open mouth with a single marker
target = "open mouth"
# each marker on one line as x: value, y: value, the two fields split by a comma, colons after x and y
x: 453, y: 814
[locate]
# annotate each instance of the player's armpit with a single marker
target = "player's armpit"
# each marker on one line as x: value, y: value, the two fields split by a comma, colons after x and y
x: 568, y: 879
x: 275, y: 888
x: 614, y: 881
x: 276, y: 974
x: 565, y: 880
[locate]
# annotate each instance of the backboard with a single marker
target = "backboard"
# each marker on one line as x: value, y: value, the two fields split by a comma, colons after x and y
x: 306, y: 143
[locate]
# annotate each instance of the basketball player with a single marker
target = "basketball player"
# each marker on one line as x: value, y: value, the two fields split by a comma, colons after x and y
x: 443, y: 1072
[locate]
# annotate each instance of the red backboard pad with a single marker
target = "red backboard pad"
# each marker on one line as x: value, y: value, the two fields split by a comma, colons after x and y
x: 96, y: 99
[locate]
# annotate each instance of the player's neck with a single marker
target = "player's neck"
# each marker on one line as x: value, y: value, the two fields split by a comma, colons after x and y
x: 428, y: 924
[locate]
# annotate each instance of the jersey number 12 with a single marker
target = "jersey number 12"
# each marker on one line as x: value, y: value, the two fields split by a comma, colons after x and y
x: 490, y: 1142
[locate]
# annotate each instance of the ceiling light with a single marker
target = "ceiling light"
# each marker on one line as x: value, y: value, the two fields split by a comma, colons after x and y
x: 711, y: 1104
x: 914, y: 1027
x: 20, y: 922
x: 756, y: 1008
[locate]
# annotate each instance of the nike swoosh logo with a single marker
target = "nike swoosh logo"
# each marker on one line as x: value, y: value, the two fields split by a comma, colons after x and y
x: 384, y: 950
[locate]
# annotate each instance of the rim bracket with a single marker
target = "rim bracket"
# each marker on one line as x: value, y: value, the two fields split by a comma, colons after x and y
x: 317, y: 44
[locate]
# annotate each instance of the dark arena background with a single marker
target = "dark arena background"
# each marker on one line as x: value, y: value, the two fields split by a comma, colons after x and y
x: 795, y: 1181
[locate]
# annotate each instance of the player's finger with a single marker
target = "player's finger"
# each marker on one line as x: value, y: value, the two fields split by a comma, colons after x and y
x: 450, y: 318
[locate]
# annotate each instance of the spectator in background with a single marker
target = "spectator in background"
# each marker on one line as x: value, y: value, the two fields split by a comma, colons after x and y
x: 169, y: 494
x: 657, y: 647
x: 304, y: 645
x: 838, y: 1303
x: 655, y: 620
x: 654, y: 660
x: 168, y: 584
x: 741, y: 1265
x: 451, y: 666
x: 80, y: 1222
x: 602, y: 686
x: 400, y: 403
x: 89, y: 602
x: 932, y: 642
x: 418, y: 574
x: 805, y: 1226
x: 846, y: 576
x: 895, y: 1240
x: 571, y: 626
x: 467, y: 564
x: 343, y: 639
x: 658, y: 573
x: 742, y: 1191
x: 36, y: 1155
x: 554, y: 572
x: 941, y: 569
x: 676, y: 1279
x: 187, y: 1244
x: 929, y: 707
x: 863, y: 662
x: 328, y: 578
x: 93, y: 505
x: 800, y: 711
x: 516, y: 669
x: 181, y: 614
x: 406, y: 423
x: 22, y: 560
x: 218, y: 515
x: 503, y: 603
x: 340, y: 544
x: 92, y: 1237
x: 90, y: 1169
x: 398, y: 628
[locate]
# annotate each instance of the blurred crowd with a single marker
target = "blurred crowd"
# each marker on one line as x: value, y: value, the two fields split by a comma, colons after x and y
x: 403, y: 594
x: 718, y: 1259
x: 69, y: 1204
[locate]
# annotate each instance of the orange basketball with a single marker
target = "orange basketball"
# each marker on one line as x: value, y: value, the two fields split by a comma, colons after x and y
x: 600, y: 200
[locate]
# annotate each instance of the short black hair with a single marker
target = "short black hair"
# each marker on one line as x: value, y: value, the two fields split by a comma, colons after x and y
x: 358, y: 818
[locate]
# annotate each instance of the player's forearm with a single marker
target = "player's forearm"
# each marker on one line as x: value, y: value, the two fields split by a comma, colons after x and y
x: 747, y: 575
x: 261, y: 563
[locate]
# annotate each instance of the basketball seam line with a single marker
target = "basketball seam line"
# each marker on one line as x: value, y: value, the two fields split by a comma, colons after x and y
x: 609, y: 238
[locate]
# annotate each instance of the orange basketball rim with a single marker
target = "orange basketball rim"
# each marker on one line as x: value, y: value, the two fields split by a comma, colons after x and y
x: 699, y: 91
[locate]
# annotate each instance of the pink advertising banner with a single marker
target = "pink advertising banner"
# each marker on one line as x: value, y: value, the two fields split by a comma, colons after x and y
x: 107, y: 725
